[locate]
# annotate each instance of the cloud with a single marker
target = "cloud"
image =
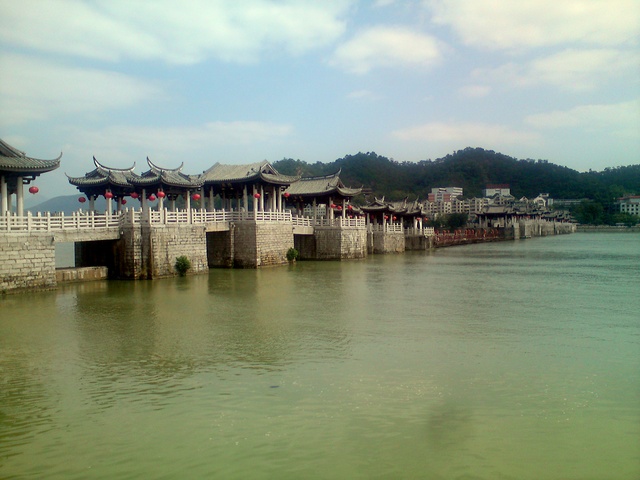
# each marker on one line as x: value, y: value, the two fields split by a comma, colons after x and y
x: 384, y: 47
x: 184, y: 32
x: 465, y: 134
x: 523, y: 24
x: 570, y: 69
x: 177, y: 142
x: 37, y: 90
x: 475, y: 91
x: 619, y: 119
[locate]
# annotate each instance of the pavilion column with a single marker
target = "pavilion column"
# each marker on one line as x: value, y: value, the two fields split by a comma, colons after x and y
x: 173, y: 204
x: 245, y: 198
x: 329, y: 209
x: 202, y: 199
x: 255, y: 202
x: 160, y: 203
x: 315, y: 210
x: 19, y: 197
x: 4, y: 197
x: 344, y: 208
x: 211, y: 208
x: 262, y: 198
x: 143, y: 199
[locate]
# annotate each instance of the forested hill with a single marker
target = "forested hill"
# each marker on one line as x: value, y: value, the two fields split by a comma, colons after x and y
x: 472, y: 169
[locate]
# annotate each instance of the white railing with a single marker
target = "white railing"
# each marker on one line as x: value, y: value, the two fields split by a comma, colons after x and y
x: 302, y: 221
x: 58, y: 221
x: 92, y: 220
x: 426, y: 231
x: 339, y: 222
x: 387, y: 227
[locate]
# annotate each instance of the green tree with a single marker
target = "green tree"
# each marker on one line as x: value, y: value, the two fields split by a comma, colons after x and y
x: 590, y: 213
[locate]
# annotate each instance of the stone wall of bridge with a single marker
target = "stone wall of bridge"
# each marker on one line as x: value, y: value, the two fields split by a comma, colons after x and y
x: 339, y: 243
x: 27, y: 261
x: 261, y: 244
x: 386, y: 242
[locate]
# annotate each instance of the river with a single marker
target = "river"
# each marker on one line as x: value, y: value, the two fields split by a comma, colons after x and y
x: 510, y: 360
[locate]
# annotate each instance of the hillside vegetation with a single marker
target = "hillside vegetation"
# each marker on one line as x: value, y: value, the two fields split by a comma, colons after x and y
x: 472, y: 169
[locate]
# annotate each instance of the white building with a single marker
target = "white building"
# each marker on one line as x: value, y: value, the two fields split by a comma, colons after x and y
x: 630, y: 204
x: 502, y: 189
x: 444, y: 194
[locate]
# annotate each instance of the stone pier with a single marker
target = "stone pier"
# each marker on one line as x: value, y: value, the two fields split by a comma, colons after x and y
x: 333, y: 243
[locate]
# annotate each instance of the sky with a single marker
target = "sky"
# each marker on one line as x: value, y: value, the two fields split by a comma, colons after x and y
x: 241, y: 81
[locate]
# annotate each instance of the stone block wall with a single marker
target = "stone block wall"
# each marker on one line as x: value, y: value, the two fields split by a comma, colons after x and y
x: 258, y: 244
x: 168, y: 242
x: 387, y: 242
x: 417, y: 242
x: 335, y: 243
x: 27, y: 261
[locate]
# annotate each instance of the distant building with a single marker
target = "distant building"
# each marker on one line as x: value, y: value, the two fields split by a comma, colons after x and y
x: 502, y: 189
x: 444, y: 194
x: 630, y: 204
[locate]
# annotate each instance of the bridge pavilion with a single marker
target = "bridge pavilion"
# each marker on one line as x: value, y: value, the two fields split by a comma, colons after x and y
x: 117, y: 183
x: 328, y: 190
x: 112, y: 183
x: 16, y: 171
x: 236, y: 184
x: 169, y: 183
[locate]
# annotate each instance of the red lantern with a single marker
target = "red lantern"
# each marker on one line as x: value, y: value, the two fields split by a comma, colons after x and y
x: 33, y: 190
x: 395, y: 218
x: 152, y: 198
x: 134, y: 195
x: 108, y: 195
x: 161, y: 194
x: 196, y: 196
x: 82, y: 199
x: 350, y: 207
x: 286, y: 194
x: 333, y: 205
x: 386, y: 217
x: 123, y: 201
x: 256, y: 195
x: 339, y: 207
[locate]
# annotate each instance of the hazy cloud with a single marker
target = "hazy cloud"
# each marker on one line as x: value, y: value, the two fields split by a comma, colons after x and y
x: 177, y: 32
x: 465, y: 134
x: 569, y: 69
x: 38, y: 90
x: 515, y: 25
x: 620, y: 119
x: 378, y: 47
x: 475, y: 91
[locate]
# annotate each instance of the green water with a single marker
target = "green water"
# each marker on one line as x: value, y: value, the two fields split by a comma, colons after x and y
x: 500, y: 361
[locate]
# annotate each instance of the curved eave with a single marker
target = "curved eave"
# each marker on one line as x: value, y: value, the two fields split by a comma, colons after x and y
x: 278, y: 179
x: 109, y: 169
x: 88, y: 182
x: 28, y: 165
x: 349, y: 192
x: 157, y: 168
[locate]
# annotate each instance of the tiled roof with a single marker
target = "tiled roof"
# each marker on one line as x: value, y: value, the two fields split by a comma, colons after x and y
x: 168, y: 176
x: 322, y: 186
x: 260, y: 170
x: 14, y: 160
x: 102, y: 175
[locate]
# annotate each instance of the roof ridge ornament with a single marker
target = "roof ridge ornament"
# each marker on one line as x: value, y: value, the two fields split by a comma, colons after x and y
x: 153, y: 166
x: 110, y: 169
